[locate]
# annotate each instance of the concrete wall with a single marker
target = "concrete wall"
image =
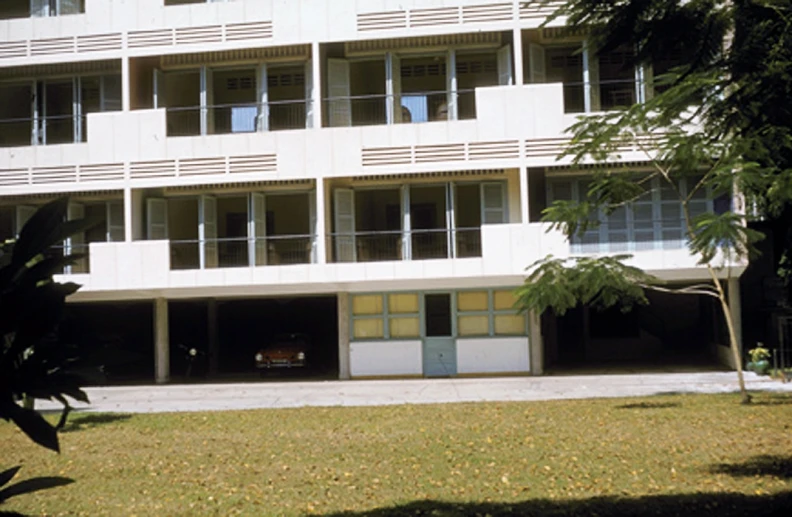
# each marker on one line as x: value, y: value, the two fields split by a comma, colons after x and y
x: 377, y: 358
x: 493, y: 355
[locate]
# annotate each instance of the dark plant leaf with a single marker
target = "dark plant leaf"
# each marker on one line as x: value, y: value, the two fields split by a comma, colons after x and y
x: 7, y: 475
x: 29, y: 486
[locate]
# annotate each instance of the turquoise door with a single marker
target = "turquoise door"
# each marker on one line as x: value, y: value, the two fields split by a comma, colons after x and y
x: 439, y: 344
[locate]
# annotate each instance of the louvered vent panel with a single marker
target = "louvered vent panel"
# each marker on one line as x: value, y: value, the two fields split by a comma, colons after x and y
x: 201, y: 166
x: 382, y: 21
x: 66, y: 174
x: 253, y: 164
x: 439, y: 153
x: 538, y: 10
x: 153, y: 169
x: 10, y: 177
x: 152, y: 38
x: 549, y: 147
x: 503, y: 150
x: 379, y: 156
x: 206, y: 34
x: 486, y: 13
x: 434, y: 17
x: 9, y: 49
x: 101, y: 172
x: 99, y: 42
x: 241, y: 31
x: 45, y: 47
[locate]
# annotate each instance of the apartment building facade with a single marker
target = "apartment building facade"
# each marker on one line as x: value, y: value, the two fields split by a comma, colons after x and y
x: 370, y: 173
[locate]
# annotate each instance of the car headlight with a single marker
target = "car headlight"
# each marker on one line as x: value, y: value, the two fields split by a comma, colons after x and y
x: 301, y: 356
x: 259, y: 357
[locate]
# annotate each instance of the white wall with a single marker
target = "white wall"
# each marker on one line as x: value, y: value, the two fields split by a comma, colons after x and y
x: 377, y: 358
x: 493, y: 355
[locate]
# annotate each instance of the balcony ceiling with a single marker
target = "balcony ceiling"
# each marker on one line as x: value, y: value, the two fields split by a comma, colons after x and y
x: 478, y: 40
x: 61, y: 69
x: 239, y: 56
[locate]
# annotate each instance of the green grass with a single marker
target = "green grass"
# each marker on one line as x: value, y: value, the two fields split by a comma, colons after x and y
x: 668, y: 455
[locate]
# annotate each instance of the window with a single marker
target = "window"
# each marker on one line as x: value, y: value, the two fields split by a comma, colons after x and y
x: 392, y: 316
x: 488, y: 313
x: 653, y: 221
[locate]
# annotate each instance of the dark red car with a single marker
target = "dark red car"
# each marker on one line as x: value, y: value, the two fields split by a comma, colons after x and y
x: 285, y: 351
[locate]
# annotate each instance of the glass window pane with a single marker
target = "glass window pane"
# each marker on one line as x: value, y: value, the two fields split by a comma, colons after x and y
x: 473, y: 326
x: 405, y: 327
x: 368, y: 328
x: 509, y: 324
x: 504, y: 300
x: 367, y: 304
x: 402, y: 303
x: 472, y: 301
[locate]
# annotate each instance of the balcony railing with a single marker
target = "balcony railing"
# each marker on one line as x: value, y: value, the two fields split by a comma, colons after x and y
x: 50, y: 130
x: 81, y: 265
x: 409, y: 107
x: 600, y: 96
x: 242, y: 252
x: 237, y: 118
x: 399, y: 245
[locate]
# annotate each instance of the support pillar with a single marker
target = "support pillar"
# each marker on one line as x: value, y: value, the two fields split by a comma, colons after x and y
x: 320, y: 228
x: 161, y: 342
x: 126, y: 102
x: 212, y: 335
x: 344, y: 371
x: 524, y: 199
x: 316, y: 83
x: 128, y: 223
x: 536, y: 343
x: 735, y: 307
x: 262, y: 98
x: 518, y: 57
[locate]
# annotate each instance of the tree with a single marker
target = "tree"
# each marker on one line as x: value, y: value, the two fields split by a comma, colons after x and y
x: 33, y: 364
x: 715, y: 124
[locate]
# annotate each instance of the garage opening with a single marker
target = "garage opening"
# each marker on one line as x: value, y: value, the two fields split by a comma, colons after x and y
x: 227, y: 342
x: 672, y: 333
x: 114, y: 341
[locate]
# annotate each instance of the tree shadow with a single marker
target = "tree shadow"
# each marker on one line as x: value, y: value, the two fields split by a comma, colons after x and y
x: 28, y: 486
x: 82, y: 422
x: 720, y: 505
x: 773, y: 400
x: 649, y: 405
x: 765, y: 465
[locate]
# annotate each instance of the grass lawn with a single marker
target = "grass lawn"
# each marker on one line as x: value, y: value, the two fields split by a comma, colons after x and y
x: 669, y: 455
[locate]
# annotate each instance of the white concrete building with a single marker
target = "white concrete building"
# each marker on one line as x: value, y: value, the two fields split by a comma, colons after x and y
x: 369, y: 172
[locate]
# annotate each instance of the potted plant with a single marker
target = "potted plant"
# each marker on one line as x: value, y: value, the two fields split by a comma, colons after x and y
x: 760, y: 359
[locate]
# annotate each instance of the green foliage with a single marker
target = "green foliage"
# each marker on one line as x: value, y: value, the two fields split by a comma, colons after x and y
x: 601, y: 282
x: 31, y: 304
x: 724, y: 233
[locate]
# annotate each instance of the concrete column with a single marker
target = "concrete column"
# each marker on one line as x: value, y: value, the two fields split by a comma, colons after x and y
x: 125, y: 85
x: 212, y: 335
x: 343, y: 336
x: 320, y: 230
x: 735, y: 308
x: 161, y: 341
x: 137, y: 207
x: 524, y: 200
x: 536, y: 342
x: 316, y: 91
x: 262, y: 98
x: 519, y: 77
x: 127, y: 214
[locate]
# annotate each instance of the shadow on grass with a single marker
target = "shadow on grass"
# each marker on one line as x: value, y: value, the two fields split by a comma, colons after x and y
x: 81, y: 422
x: 777, y: 466
x: 721, y: 505
x: 776, y: 399
x: 28, y: 486
x: 649, y: 405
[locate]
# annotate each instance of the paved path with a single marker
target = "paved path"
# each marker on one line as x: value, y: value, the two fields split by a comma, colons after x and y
x: 215, y: 397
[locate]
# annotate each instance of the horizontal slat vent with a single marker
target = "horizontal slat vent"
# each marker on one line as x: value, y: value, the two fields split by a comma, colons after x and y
x: 538, y: 10
x: 245, y: 31
x: 253, y: 164
x: 545, y: 147
x: 45, y: 47
x: 433, y: 17
x: 64, y: 174
x: 101, y: 172
x: 99, y: 42
x: 455, y: 152
x: 382, y: 21
x: 487, y: 13
x: 152, y: 169
x: 151, y: 38
x: 206, y: 34
x: 10, y: 49
x: 11, y: 177
x: 202, y: 166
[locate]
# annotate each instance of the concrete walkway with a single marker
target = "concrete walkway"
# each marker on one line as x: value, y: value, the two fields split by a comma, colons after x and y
x: 217, y: 397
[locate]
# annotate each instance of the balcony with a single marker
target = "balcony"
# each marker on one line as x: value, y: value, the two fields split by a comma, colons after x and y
x: 236, y: 118
x: 415, y: 107
x: 241, y: 252
x: 410, y: 245
x: 10, y: 9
